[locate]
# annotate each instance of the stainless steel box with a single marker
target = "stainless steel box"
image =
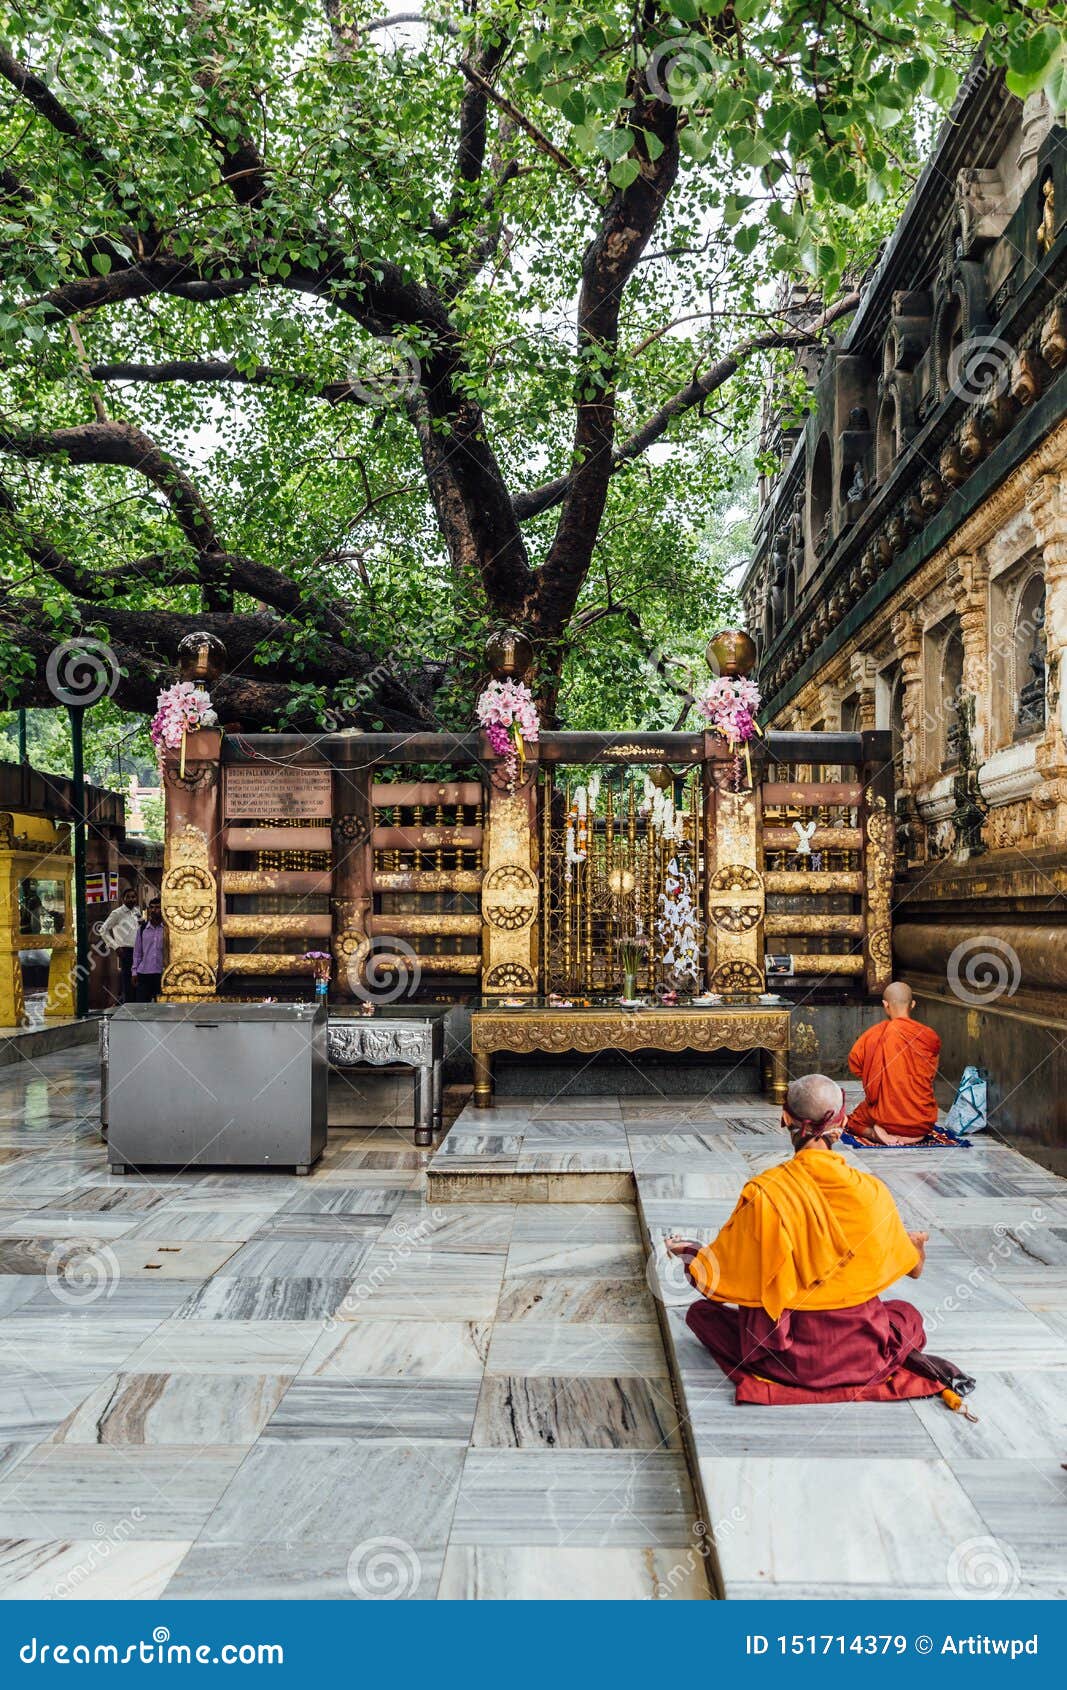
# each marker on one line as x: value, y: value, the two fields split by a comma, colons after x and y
x: 216, y: 1085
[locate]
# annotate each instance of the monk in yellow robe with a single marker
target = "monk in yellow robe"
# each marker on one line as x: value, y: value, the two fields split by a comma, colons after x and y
x: 897, y: 1062
x: 790, y: 1289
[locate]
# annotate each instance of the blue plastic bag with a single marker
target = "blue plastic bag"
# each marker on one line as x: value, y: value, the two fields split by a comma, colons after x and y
x: 968, y: 1112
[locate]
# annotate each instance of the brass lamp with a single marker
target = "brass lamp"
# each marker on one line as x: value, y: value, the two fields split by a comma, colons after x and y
x: 509, y: 654
x: 731, y: 652
x: 201, y: 658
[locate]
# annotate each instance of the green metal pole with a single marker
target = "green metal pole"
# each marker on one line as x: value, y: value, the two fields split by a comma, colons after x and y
x: 81, y: 935
x: 24, y: 755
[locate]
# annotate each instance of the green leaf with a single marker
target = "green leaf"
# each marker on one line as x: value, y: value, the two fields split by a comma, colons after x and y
x: 625, y: 171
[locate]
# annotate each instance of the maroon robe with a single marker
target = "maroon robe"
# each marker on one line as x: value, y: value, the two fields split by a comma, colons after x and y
x: 816, y: 1355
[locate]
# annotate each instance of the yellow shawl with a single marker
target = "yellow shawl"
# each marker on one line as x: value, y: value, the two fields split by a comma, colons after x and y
x: 812, y: 1233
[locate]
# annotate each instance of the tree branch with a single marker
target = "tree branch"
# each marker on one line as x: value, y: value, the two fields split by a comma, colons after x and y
x: 538, y: 499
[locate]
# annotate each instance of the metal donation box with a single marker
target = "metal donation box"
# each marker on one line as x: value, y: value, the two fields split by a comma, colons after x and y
x: 216, y: 1085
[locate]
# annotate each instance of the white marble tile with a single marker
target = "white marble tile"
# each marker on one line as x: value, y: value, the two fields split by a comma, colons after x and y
x: 572, y: 1348
x: 89, y: 1338
x: 95, y: 1569
x: 225, y: 1346
x: 573, y: 1497
x: 411, y: 1349
x: 68, y: 1491
x: 306, y: 1492
x: 602, y: 1261
x: 834, y: 1523
x: 505, y: 1573
x: 175, y: 1408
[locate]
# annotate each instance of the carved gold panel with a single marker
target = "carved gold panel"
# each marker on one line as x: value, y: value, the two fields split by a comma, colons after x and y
x: 510, y: 893
x: 190, y: 897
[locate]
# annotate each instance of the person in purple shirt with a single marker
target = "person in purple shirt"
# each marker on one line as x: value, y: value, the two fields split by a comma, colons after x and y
x: 148, y: 954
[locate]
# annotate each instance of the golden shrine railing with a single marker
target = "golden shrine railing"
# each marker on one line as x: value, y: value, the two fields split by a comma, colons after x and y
x: 277, y: 844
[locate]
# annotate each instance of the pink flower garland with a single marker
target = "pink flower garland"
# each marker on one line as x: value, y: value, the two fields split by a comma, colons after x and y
x: 180, y: 709
x: 729, y: 707
x: 507, y: 712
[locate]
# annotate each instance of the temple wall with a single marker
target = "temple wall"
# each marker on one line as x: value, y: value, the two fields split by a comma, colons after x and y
x: 910, y: 574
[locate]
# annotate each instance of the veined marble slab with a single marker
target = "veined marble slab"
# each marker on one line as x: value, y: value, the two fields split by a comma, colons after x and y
x: 284, y: 1258
x: 148, y: 1300
x: 37, y: 1255
x: 1021, y: 1416
x: 303, y: 1492
x: 478, y: 1229
x: 371, y: 1201
x: 95, y: 1569
x: 503, y: 1573
x: 400, y: 1349
x: 619, y: 1302
x: 15, y: 1290
x: 1022, y: 1505
x: 566, y: 1261
x: 264, y: 1299
x: 572, y: 1497
x: 577, y: 1413
x: 310, y: 1572
x: 586, y: 1223
x: 65, y: 1491
x: 168, y: 1259
x: 52, y: 1223
x: 186, y: 1223
x: 113, y: 1199
x: 33, y: 1404
x: 175, y: 1408
x: 577, y: 1159
x: 89, y: 1338
x: 834, y: 1523
x: 598, y: 1349
x: 326, y: 1410
x: 225, y: 1346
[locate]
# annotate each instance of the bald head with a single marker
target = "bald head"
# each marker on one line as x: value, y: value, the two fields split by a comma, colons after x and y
x: 812, y: 1097
x: 897, y: 999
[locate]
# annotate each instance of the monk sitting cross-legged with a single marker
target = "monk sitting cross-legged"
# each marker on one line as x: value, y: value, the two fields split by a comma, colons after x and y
x: 802, y: 1260
x: 897, y: 1061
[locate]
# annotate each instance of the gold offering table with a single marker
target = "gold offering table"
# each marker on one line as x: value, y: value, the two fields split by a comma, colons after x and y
x: 739, y: 1022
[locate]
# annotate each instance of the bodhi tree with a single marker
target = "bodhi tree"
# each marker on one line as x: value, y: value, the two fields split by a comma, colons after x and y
x: 349, y: 336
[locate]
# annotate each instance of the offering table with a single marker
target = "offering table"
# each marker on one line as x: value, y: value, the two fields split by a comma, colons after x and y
x: 589, y: 1025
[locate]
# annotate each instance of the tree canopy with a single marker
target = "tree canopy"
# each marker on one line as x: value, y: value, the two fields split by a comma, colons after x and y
x: 349, y: 336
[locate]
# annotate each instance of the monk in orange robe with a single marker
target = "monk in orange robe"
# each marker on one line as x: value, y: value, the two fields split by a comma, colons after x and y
x: 790, y: 1289
x: 897, y: 1062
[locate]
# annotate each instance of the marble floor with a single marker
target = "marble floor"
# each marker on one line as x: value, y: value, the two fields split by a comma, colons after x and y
x: 345, y: 1387
x: 230, y: 1384
x: 860, y: 1500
